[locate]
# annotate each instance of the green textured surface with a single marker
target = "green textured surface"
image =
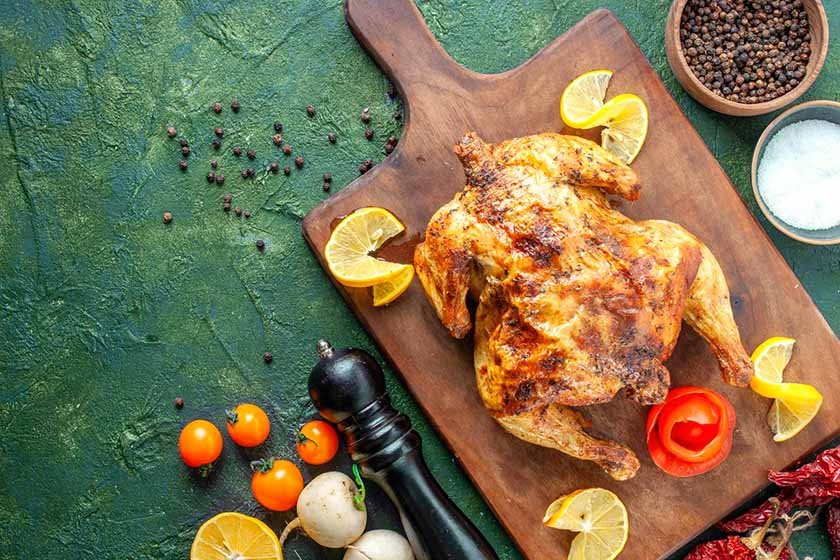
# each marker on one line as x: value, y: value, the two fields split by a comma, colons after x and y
x: 106, y: 314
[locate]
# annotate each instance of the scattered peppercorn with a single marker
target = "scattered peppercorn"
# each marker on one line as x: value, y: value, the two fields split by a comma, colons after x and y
x: 247, y: 213
x: 211, y: 177
x: 267, y: 357
x: 227, y: 198
x: 219, y: 131
x: 369, y: 133
x: 171, y: 132
x: 185, y: 150
x: 363, y: 169
x: 287, y: 149
x: 167, y: 217
x: 273, y: 167
x: 237, y: 151
x: 214, y: 164
x: 389, y: 148
x: 366, y: 115
x: 217, y: 107
x: 226, y: 206
x: 220, y: 179
x: 327, y: 186
x: 179, y: 402
x: 287, y: 170
x: 277, y: 139
x: 310, y: 110
x: 392, y: 140
x: 332, y: 137
x: 216, y: 143
x: 252, y: 154
x: 183, y: 165
x: 278, y: 126
x: 237, y: 211
x: 747, y: 52
x: 234, y: 106
x: 260, y: 244
x: 183, y: 142
x: 299, y: 161
x: 328, y: 177
x: 244, y: 173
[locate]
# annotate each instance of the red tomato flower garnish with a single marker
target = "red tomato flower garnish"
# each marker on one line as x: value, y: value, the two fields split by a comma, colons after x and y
x: 691, y: 432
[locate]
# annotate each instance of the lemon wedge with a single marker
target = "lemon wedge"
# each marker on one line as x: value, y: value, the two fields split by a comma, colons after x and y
x: 584, y: 97
x: 794, y: 404
x: 598, y: 516
x: 233, y: 535
x: 625, y: 118
x: 349, y: 250
x: 389, y: 290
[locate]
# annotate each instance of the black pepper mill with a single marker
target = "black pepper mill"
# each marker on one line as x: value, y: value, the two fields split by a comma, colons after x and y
x: 348, y: 389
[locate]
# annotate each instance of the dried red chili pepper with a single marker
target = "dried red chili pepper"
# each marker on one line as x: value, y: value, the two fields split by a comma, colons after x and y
x: 730, y: 548
x: 824, y: 470
x: 789, y: 498
x: 832, y: 523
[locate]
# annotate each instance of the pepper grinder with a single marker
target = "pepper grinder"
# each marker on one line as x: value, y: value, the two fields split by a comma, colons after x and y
x: 348, y: 388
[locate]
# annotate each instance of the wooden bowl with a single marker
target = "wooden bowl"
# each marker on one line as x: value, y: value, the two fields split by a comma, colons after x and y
x: 823, y: 110
x: 676, y: 59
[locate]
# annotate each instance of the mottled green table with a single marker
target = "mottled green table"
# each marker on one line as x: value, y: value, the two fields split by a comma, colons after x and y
x: 106, y: 314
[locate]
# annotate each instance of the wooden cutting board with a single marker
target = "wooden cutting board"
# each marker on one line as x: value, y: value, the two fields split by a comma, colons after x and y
x: 682, y: 182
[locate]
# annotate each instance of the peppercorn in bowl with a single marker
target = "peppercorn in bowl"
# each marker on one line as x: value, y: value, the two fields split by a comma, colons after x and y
x: 746, y: 57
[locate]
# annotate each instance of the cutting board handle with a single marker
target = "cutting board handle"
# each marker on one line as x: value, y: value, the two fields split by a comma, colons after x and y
x: 396, y: 36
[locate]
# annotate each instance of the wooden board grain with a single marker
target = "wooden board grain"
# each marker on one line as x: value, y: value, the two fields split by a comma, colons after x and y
x: 682, y: 182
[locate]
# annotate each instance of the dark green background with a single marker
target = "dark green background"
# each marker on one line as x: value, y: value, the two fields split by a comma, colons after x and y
x: 106, y: 314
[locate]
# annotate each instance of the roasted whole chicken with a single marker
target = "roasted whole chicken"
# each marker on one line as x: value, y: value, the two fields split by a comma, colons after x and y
x: 575, y: 300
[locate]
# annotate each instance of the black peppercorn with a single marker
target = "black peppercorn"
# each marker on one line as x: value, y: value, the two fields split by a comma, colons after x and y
x: 287, y: 149
x: 389, y: 148
x: 183, y: 142
x: 366, y: 115
x: 220, y: 179
x: 247, y: 213
x: 211, y: 177
x: 234, y: 106
x: 310, y: 110
x: 252, y: 154
x: 179, y: 402
x: 183, y: 165
x: 287, y: 170
x: 167, y: 217
x: 214, y: 164
x: 226, y: 206
x: 217, y: 107
x: 219, y: 131
x: 278, y: 126
x: 369, y: 133
x: 237, y: 151
x: 260, y: 244
x: 392, y: 140
x: 171, y: 132
x: 277, y: 139
x: 327, y: 186
x: 299, y: 161
x: 267, y: 357
x: 237, y: 211
x: 328, y: 177
x: 273, y: 167
x: 332, y: 137
x: 216, y: 143
x: 227, y: 198
x: 244, y: 173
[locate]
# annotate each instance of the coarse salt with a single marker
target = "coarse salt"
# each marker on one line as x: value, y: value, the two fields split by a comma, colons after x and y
x: 799, y: 175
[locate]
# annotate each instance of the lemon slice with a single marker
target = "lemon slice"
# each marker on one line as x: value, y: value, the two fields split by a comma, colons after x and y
x: 349, y: 250
x: 625, y: 117
x: 598, y: 516
x: 771, y: 358
x: 788, y: 417
x: 233, y: 535
x: 583, y: 97
x: 389, y: 290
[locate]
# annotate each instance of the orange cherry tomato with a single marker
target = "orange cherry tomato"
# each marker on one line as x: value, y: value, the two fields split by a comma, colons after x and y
x: 276, y: 484
x: 317, y: 442
x: 691, y: 432
x: 200, y: 443
x: 247, y: 425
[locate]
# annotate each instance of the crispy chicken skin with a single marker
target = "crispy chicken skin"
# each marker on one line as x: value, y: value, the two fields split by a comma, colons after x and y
x: 575, y: 300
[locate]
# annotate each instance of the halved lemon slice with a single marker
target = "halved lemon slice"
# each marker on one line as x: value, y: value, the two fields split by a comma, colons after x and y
x: 598, y: 516
x: 349, y: 250
x: 583, y: 97
x: 788, y: 417
x: 625, y: 117
x: 389, y: 290
x: 771, y: 358
x: 234, y: 535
